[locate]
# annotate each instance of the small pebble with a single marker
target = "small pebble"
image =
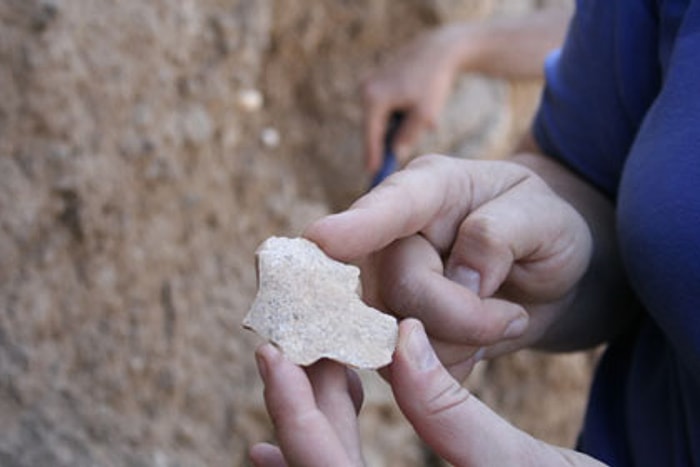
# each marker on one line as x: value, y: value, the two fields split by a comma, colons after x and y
x: 250, y: 100
x: 270, y: 137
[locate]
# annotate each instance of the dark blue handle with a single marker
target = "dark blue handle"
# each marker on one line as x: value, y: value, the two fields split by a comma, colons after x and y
x: 389, y: 162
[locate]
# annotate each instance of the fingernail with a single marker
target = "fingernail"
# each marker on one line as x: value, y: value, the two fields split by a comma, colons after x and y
x: 516, y: 327
x: 466, y: 277
x: 262, y: 357
x: 419, y: 351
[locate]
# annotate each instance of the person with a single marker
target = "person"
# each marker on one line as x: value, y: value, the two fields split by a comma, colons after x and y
x: 417, y: 80
x: 590, y: 233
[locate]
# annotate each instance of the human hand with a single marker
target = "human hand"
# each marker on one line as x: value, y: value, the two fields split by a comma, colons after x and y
x: 316, y: 421
x: 454, y: 423
x: 484, y: 253
x: 314, y: 412
x: 416, y: 81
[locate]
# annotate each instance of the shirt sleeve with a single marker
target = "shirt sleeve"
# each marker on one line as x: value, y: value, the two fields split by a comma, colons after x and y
x: 598, y: 88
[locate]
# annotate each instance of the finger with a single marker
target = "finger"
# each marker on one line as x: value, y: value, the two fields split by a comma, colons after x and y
x: 404, y: 204
x: 414, y: 286
x: 459, y: 427
x: 376, y: 113
x: 535, y: 249
x: 458, y: 359
x: 332, y: 393
x: 305, y: 435
x: 266, y: 455
x: 449, y: 419
x: 432, y: 195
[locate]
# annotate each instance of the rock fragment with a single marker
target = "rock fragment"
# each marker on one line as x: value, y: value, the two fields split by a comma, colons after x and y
x: 308, y: 305
x: 270, y: 137
x: 250, y: 100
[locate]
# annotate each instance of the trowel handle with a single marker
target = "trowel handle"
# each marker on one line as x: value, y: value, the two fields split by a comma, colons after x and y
x: 389, y: 162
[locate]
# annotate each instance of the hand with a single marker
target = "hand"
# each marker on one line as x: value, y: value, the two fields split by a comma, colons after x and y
x: 314, y: 413
x: 416, y: 81
x: 316, y: 423
x: 484, y: 253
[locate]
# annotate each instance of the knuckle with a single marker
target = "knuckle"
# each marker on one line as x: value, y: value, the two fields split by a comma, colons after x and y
x: 484, y: 234
x: 301, y: 422
x: 448, y: 395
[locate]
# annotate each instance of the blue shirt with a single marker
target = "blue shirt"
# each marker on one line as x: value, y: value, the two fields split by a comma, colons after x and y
x: 622, y: 108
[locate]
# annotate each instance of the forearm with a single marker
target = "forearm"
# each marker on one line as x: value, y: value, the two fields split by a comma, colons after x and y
x: 511, y: 48
x: 602, y: 305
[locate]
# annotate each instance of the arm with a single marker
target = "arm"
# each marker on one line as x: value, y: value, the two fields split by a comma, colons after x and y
x: 418, y: 79
x: 510, y: 48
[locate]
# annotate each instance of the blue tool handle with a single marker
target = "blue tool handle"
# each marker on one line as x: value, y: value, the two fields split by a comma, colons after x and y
x: 388, y: 167
x: 389, y: 162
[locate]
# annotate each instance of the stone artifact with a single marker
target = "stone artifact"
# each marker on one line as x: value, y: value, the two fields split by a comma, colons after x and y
x: 308, y: 305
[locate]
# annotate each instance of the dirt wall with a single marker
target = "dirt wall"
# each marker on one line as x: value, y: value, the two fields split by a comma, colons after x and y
x: 146, y: 148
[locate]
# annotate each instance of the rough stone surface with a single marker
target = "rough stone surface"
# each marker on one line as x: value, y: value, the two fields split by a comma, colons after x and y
x: 134, y: 189
x: 308, y: 305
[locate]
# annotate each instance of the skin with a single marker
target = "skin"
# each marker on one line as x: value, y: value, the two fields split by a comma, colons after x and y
x: 418, y: 78
x: 533, y: 238
x: 493, y: 255
x: 454, y: 423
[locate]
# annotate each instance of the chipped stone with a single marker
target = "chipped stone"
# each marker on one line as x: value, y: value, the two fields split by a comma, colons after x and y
x: 308, y: 305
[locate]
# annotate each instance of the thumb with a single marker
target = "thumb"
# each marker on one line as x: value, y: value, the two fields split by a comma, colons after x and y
x: 459, y: 427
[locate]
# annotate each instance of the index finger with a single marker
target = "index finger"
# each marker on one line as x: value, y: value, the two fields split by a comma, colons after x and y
x: 306, y: 435
x: 429, y: 196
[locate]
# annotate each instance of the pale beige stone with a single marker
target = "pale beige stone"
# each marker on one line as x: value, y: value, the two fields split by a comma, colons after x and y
x: 308, y: 305
x: 250, y: 100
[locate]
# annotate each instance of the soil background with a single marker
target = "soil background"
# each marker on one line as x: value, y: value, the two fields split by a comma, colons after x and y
x: 137, y: 176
